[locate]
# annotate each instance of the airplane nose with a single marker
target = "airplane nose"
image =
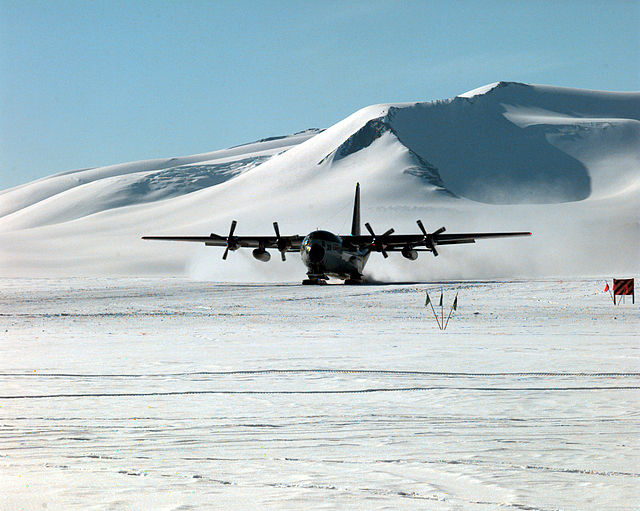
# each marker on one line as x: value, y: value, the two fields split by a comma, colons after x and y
x: 316, y: 254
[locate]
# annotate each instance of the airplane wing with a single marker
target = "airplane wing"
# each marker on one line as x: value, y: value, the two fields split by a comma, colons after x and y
x: 399, y: 240
x: 231, y: 242
x: 215, y: 240
x: 402, y: 240
x: 425, y: 242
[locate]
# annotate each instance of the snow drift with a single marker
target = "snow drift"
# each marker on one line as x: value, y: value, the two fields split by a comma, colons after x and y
x: 563, y: 163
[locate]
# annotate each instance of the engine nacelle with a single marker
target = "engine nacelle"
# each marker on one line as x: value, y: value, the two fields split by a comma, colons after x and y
x: 409, y: 253
x: 261, y: 254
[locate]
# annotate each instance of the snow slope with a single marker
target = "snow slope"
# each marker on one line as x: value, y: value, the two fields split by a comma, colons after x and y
x: 563, y: 163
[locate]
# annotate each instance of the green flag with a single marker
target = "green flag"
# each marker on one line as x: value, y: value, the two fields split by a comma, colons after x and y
x: 455, y: 303
x: 428, y: 300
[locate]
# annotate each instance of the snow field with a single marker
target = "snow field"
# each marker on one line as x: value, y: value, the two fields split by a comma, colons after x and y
x: 161, y: 393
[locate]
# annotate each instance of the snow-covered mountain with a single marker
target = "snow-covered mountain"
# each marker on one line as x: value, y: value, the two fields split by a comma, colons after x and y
x: 563, y: 163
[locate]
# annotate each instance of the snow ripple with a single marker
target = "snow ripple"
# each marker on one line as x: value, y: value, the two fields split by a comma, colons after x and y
x: 327, y: 391
x: 329, y: 371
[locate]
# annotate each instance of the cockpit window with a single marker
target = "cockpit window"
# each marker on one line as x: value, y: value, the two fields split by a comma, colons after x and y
x: 325, y: 236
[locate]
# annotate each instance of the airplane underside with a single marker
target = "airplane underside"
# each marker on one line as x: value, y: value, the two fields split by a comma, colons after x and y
x: 322, y: 278
x: 324, y: 261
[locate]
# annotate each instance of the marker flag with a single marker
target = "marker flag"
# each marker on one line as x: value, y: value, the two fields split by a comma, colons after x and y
x: 624, y: 287
x: 606, y: 288
x: 453, y: 308
x: 427, y: 301
x: 440, y: 304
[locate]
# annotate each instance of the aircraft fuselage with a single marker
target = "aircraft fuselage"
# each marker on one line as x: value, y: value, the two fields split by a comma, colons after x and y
x: 327, y: 255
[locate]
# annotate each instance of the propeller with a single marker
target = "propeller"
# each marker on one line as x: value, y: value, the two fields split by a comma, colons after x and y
x: 430, y: 239
x: 231, y: 242
x: 377, y: 243
x: 283, y: 245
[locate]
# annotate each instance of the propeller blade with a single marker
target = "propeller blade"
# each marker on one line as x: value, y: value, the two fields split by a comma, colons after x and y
x: 384, y: 252
x: 233, y: 228
x: 430, y: 239
x: 424, y: 231
x: 370, y: 229
x: 377, y: 244
x: 282, y: 245
x: 229, y: 239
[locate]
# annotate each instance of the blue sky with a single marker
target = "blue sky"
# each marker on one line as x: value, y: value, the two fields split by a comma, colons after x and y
x: 84, y: 84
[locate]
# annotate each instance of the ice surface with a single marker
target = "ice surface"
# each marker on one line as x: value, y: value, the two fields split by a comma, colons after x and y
x: 171, y: 394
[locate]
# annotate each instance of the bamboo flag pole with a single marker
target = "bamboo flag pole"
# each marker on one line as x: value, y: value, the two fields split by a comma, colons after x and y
x: 453, y: 308
x: 607, y: 288
x: 428, y: 302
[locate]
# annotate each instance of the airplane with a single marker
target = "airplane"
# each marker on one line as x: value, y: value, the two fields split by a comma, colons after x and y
x: 340, y: 256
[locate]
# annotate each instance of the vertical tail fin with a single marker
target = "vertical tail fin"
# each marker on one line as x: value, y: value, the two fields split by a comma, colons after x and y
x: 355, y: 223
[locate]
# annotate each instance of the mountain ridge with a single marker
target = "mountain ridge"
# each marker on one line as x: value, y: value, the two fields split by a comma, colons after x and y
x: 501, y: 156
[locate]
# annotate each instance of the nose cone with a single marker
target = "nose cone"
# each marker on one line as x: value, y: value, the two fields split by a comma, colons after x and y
x: 316, y: 253
x: 312, y: 251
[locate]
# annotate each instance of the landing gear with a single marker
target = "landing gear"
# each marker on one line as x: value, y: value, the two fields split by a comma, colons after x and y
x: 315, y: 279
x: 354, y: 280
x: 313, y: 282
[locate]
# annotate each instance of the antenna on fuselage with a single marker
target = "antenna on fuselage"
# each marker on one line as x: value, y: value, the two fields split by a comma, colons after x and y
x: 355, y: 224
